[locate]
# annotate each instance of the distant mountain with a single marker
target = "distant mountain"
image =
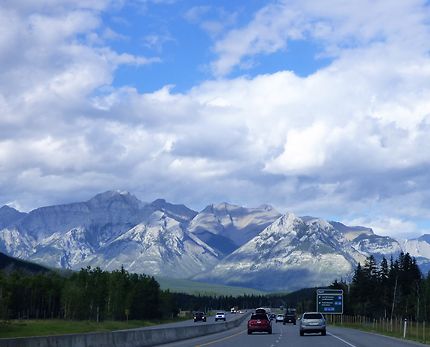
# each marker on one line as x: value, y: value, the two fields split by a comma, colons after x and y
x: 365, y: 241
x: 160, y: 247
x: 179, y: 212
x: 10, y: 216
x: 226, y: 227
x: 291, y: 253
x: 420, y: 249
x: 110, y: 230
x: 224, y: 243
x: 351, y: 232
x: 104, y: 216
x: 67, y: 250
x: 16, y: 243
x: 378, y: 246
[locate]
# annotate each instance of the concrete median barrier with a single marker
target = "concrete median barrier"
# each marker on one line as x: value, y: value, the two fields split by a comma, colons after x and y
x: 124, y: 338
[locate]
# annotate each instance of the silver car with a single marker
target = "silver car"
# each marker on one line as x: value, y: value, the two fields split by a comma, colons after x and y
x: 312, y: 322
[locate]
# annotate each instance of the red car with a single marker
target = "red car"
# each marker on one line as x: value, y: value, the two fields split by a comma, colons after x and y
x: 259, y: 322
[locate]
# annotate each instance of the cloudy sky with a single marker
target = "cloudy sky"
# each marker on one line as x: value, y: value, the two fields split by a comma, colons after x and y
x: 316, y: 107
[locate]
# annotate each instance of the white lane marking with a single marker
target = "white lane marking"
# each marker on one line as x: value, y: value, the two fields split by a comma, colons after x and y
x: 337, y: 337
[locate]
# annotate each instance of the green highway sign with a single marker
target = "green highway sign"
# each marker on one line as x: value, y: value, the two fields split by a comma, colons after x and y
x: 330, y: 301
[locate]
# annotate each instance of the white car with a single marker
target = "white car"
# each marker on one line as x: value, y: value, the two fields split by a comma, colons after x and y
x: 279, y: 318
x: 220, y: 316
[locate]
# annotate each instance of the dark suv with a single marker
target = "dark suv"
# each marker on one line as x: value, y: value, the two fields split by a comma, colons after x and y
x: 290, y: 316
x: 199, y: 316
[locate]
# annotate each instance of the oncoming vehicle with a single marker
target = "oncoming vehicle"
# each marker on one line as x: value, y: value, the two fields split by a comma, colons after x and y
x: 279, y: 318
x: 199, y: 316
x: 220, y: 316
x: 259, y: 322
x: 312, y: 322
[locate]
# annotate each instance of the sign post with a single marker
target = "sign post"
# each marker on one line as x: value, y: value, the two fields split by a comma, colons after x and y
x: 330, y: 301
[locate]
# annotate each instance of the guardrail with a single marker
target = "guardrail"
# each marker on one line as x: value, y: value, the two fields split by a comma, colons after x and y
x: 141, y: 337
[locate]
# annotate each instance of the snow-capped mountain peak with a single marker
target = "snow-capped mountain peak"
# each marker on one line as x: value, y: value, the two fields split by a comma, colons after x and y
x: 161, y: 247
x: 225, y: 226
x: 289, y: 249
x: 223, y: 243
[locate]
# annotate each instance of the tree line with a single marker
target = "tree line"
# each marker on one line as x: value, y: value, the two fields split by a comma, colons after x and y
x: 90, y: 294
x: 389, y: 289
x: 393, y: 288
x: 93, y: 294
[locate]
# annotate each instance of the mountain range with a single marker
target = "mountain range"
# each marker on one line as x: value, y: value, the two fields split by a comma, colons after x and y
x: 224, y: 243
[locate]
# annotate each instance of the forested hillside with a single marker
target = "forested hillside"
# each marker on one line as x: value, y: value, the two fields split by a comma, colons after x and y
x: 90, y: 294
x: 10, y: 264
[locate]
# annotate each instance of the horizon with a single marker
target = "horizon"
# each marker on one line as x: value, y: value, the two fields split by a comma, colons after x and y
x: 317, y: 108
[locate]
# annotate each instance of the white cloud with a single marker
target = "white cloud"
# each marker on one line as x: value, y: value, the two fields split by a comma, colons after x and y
x: 349, y: 140
x: 389, y: 226
x: 303, y: 152
x: 340, y: 26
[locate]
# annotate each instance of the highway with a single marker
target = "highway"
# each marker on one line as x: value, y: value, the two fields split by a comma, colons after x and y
x: 190, y: 322
x: 288, y: 335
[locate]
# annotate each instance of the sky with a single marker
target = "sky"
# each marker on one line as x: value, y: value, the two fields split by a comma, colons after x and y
x: 319, y: 108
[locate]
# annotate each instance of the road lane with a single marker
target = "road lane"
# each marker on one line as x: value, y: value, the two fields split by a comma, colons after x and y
x: 283, y: 335
x: 189, y: 322
x: 358, y: 338
x: 288, y: 335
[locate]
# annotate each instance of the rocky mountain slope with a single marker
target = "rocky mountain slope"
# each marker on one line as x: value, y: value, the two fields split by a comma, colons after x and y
x: 160, y: 244
x: 226, y: 227
x: 291, y: 253
x: 223, y: 243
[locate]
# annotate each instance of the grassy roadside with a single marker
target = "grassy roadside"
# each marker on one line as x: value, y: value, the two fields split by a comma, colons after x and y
x: 25, y: 328
x: 415, y: 332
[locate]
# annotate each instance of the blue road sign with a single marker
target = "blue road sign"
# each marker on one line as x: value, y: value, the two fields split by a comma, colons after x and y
x: 330, y: 301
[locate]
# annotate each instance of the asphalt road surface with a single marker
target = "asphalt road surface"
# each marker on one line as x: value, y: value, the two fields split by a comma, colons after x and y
x: 190, y: 322
x: 288, y: 335
x: 209, y: 320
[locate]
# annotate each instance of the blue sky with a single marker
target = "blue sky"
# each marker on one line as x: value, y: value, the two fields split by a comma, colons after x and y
x: 318, y: 108
x: 167, y: 32
x: 170, y: 33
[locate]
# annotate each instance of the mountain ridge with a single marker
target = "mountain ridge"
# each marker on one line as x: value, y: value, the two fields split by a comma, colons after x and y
x: 225, y: 243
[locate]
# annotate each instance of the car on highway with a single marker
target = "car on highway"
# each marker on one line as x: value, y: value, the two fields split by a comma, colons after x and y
x: 199, y: 316
x: 312, y: 322
x: 279, y: 318
x: 261, y: 310
x: 220, y: 316
x: 259, y: 322
x: 290, y: 317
